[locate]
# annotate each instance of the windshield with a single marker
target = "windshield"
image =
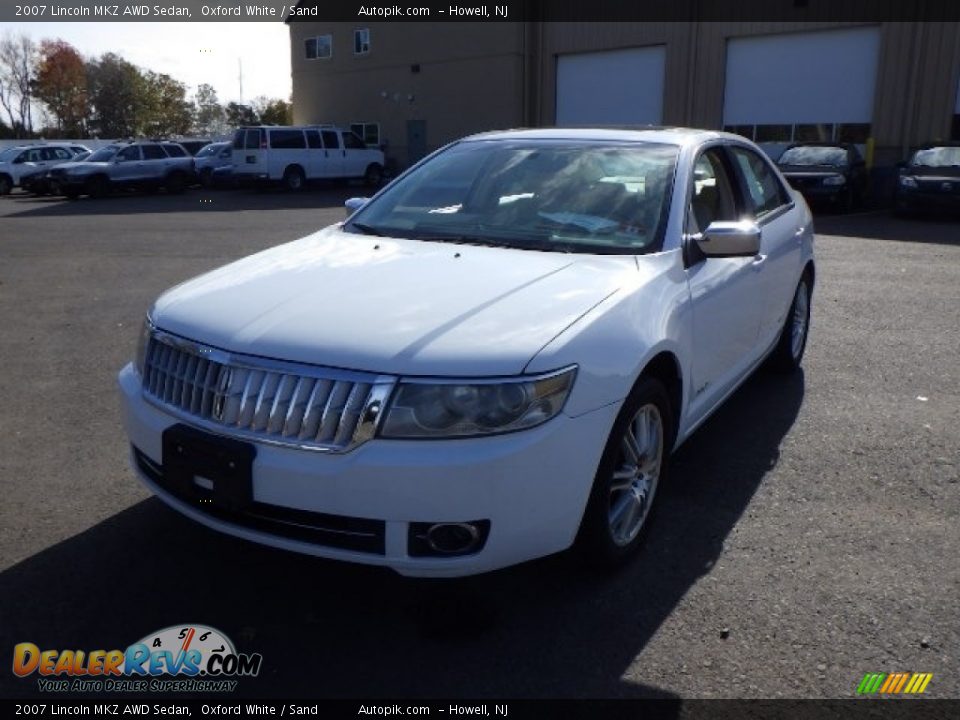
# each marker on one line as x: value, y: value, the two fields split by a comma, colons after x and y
x: 565, y: 196
x: 937, y: 157
x: 814, y: 155
x: 103, y: 154
x: 7, y: 155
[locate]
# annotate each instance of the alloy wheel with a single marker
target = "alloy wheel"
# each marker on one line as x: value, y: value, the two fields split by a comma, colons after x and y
x: 637, y: 473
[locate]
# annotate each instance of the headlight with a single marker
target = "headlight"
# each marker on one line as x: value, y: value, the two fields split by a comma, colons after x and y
x: 463, y: 408
x: 834, y: 180
x: 907, y: 181
x: 142, y: 341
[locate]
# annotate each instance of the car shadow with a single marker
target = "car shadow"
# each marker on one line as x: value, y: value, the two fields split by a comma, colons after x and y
x: 22, y: 205
x: 933, y: 228
x: 548, y: 628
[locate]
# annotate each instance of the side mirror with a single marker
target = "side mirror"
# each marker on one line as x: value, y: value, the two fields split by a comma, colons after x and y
x: 353, y: 204
x: 724, y: 238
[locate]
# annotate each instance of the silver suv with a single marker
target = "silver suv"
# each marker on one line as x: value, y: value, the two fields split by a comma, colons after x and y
x: 19, y: 162
x: 146, y: 165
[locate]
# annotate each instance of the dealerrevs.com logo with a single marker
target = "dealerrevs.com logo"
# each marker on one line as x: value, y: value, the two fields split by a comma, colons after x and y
x: 180, y: 658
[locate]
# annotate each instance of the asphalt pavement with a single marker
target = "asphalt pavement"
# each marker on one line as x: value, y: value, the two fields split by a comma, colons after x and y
x: 809, y: 535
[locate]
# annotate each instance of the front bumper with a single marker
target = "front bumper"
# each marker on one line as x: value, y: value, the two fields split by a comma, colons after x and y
x: 532, y: 486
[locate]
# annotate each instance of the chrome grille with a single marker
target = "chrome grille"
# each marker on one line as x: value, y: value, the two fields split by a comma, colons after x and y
x: 265, y: 400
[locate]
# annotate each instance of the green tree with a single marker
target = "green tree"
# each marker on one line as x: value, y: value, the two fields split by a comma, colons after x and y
x: 163, y: 108
x: 209, y: 116
x: 114, y: 88
x: 273, y: 111
x: 61, y: 84
x: 238, y: 114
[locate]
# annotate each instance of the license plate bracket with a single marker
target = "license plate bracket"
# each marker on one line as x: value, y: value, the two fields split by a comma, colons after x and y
x: 226, y: 464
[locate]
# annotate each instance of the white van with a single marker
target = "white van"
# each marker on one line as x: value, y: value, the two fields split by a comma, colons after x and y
x: 293, y: 155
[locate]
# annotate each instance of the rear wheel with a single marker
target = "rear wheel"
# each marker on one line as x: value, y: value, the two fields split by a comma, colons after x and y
x: 6, y: 184
x: 632, y: 469
x: 206, y: 177
x: 787, y: 355
x: 293, y: 178
x: 373, y: 176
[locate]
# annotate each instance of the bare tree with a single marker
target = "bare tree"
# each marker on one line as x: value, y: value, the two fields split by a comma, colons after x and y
x: 18, y: 61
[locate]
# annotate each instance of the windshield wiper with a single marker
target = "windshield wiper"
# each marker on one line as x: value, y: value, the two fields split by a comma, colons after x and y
x: 526, y: 243
x: 366, y: 229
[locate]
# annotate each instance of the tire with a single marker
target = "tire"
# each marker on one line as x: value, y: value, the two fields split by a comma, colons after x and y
x: 373, y: 176
x: 206, y: 177
x: 71, y: 194
x: 624, y: 494
x: 788, y: 354
x: 98, y: 186
x: 6, y: 184
x: 175, y: 183
x: 293, y: 179
x: 845, y: 202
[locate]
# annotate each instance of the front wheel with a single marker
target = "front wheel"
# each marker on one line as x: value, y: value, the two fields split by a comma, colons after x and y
x: 632, y: 468
x: 175, y: 183
x: 6, y: 185
x: 787, y: 355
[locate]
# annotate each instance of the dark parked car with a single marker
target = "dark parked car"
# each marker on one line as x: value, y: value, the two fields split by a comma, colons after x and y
x: 929, y: 180
x: 193, y: 146
x: 832, y: 173
x: 39, y: 183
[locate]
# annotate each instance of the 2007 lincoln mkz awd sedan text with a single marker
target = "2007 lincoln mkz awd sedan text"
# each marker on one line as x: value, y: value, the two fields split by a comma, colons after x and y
x: 489, y: 361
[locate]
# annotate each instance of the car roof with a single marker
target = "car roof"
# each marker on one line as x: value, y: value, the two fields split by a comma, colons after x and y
x: 667, y: 135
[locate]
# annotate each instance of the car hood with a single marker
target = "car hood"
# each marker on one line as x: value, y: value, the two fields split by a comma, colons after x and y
x: 394, y: 306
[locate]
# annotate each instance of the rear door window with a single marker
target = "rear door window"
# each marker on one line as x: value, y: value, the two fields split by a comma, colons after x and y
x: 313, y: 140
x: 287, y: 140
x: 352, y: 142
x: 331, y: 139
x: 153, y: 152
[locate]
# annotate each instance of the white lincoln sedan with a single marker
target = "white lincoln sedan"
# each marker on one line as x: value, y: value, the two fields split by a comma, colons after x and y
x: 489, y: 361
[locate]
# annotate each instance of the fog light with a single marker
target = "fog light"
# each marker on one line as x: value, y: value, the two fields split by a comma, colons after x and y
x: 447, y: 539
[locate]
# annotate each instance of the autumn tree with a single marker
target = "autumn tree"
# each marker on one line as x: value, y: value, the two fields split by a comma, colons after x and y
x: 18, y: 62
x: 61, y: 84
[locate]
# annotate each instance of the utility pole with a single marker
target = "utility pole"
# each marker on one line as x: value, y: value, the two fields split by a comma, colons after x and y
x: 240, y: 77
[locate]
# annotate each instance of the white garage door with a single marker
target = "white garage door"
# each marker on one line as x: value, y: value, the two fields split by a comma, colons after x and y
x: 620, y: 87
x: 806, y: 86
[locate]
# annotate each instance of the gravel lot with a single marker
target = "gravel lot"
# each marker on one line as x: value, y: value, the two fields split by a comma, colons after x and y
x: 810, y: 534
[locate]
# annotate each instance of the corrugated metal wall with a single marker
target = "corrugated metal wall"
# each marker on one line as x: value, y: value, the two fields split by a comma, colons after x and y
x: 917, y: 71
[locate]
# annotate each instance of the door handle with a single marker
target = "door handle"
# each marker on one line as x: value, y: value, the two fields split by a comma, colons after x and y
x: 758, y: 261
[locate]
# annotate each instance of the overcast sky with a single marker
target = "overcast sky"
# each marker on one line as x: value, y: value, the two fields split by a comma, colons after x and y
x: 194, y: 53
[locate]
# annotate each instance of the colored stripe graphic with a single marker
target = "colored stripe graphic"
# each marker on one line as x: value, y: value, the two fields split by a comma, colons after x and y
x: 894, y: 683
x: 870, y: 683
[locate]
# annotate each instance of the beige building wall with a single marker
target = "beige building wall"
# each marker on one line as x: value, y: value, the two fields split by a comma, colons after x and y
x: 470, y: 78
x: 485, y: 76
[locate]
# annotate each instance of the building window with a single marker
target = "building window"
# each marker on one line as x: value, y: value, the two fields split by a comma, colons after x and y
x: 318, y: 47
x: 368, y: 132
x: 361, y: 41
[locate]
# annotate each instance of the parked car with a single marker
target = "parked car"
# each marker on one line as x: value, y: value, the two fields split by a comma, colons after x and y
x: 929, y: 180
x: 144, y: 165
x: 194, y: 146
x: 487, y: 362
x: 17, y: 162
x: 38, y: 182
x: 293, y: 156
x: 213, y: 156
x: 833, y: 173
